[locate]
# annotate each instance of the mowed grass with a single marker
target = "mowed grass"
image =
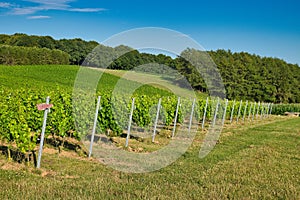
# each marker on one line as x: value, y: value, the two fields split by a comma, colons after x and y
x: 53, y: 77
x: 155, y: 80
x: 254, y: 161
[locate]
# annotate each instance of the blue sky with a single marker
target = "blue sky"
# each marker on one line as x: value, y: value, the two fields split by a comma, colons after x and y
x: 266, y: 28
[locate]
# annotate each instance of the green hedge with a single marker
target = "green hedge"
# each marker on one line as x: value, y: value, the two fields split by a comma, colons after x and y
x: 15, y: 55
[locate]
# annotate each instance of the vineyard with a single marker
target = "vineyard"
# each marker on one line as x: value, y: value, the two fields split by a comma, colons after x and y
x: 21, y: 121
x: 103, y: 100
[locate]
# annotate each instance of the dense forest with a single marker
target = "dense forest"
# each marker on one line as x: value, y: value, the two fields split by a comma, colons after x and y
x: 245, y: 76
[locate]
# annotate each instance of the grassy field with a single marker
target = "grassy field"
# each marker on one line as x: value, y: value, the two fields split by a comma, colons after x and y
x: 52, y: 77
x: 154, y: 80
x: 49, y: 77
x: 254, y: 161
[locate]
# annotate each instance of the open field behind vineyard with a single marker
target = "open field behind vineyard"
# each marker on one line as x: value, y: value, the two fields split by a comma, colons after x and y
x: 51, y: 77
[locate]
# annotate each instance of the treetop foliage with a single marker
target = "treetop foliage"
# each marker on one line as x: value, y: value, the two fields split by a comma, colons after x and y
x: 245, y: 76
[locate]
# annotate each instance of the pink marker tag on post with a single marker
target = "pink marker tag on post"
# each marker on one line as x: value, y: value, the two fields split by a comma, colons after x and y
x: 44, y: 106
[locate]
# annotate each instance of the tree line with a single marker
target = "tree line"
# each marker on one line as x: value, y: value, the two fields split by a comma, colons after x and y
x: 77, y: 49
x: 245, y: 76
x: 13, y: 55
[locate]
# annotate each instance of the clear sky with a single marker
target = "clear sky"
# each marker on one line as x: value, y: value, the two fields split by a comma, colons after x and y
x: 263, y: 27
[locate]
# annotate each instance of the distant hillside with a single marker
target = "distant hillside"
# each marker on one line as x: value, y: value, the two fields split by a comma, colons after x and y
x: 245, y: 76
